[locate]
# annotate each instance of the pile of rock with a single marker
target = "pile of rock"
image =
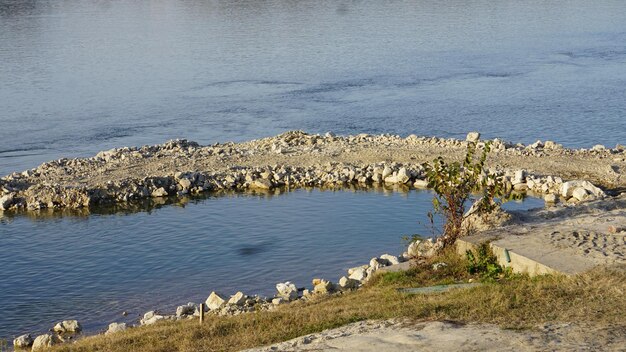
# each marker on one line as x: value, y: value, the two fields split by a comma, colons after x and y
x: 32, y: 190
x: 62, y: 332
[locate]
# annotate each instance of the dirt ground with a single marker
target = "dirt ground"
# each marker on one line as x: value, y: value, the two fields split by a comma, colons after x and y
x: 449, y: 336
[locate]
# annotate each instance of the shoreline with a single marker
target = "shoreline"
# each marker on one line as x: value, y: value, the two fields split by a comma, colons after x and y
x: 76, y: 185
x: 292, y: 160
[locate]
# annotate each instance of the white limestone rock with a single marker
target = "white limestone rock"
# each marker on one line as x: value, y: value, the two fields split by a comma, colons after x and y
x: 187, y: 309
x: 43, y: 342
x: 115, y: 327
x: 358, y: 274
x: 473, y: 137
x: 66, y: 326
x: 287, y: 290
x: 568, y: 188
x: 23, y: 341
x: 215, y: 301
x: 237, y: 299
x: 391, y: 259
x: 347, y: 283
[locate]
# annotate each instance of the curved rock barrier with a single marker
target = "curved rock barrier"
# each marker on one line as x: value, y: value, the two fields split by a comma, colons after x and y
x: 294, y: 160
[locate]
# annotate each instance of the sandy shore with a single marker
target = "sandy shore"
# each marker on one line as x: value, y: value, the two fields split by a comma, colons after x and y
x: 448, y: 336
x: 293, y: 159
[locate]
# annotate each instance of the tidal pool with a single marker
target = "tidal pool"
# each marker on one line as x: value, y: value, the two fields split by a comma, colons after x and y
x: 94, y: 267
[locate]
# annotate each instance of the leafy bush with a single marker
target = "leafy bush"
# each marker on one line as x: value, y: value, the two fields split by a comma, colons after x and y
x: 484, y: 263
x: 455, y: 183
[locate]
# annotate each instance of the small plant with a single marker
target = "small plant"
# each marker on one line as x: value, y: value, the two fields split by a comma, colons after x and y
x: 485, y: 263
x: 408, y: 239
x: 455, y: 184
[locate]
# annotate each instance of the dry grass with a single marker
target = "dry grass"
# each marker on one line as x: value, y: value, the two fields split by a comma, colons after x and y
x: 517, y: 302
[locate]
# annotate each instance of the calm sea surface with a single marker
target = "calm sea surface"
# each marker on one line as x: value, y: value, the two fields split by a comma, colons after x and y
x: 77, y: 77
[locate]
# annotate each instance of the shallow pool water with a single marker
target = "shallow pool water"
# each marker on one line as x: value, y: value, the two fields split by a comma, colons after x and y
x: 92, y: 268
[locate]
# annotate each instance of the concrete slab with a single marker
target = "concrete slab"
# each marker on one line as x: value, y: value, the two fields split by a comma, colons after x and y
x: 561, y: 240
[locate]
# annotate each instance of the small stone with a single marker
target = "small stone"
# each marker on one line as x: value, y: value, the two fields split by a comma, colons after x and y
x: 550, y: 198
x: 215, y: 301
x: 67, y: 326
x: 115, y: 327
x: 6, y: 202
x: 261, y: 183
x: 598, y: 148
x: 387, y: 171
x: 358, y: 274
x: 187, y: 309
x: 184, y: 183
x: 473, y: 137
x: 150, y: 318
x: 520, y: 177
x: 616, y: 229
x: 377, y: 263
x: 438, y: 266
x: 403, y: 176
x: 237, y: 299
x: 159, y: 192
x: 422, y: 249
x: 287, y: 291
x: 23, y: 341
x: 347, y: 283
x: 392, y: 259
x: 420, y: 184
x: 278, y: 301
x: 324, y: 287
x: 580, y: 194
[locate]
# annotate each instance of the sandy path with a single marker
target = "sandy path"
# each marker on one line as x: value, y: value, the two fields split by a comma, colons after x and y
x: 446, y: 336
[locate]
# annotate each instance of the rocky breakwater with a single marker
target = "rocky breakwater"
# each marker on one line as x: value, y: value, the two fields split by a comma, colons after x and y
x: 292, y: 160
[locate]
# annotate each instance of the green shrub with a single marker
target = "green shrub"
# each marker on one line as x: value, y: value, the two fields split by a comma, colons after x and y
x: 455, y: 184
x: 484, y: 263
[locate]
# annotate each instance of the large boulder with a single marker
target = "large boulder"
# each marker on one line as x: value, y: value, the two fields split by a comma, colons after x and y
x: 43, y: 342
x: 23, y: 341
x: 215, y: 301
x: 115, y: 327
x: 287, y: 290
x: 67, y: 326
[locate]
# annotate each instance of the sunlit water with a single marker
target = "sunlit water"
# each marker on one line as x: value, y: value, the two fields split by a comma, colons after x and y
x: 93, y: 268
x: 77, y: 77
